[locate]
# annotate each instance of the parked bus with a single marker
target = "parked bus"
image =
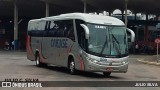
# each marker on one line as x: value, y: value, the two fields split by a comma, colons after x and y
x: 79, y: 41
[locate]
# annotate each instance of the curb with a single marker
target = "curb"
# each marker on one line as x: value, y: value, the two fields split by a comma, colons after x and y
x: 147, y: 62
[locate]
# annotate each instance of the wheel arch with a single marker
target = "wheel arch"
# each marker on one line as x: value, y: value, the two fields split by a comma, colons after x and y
x: 70, y: 57
x: 36, y: 51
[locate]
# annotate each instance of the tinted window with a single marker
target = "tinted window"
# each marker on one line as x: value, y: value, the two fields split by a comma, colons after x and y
x: 63, y: 28
x: 36, y: 28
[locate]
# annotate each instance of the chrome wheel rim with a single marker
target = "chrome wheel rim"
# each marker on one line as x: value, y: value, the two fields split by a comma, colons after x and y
x: 72, y: 67
x: 37, y: 61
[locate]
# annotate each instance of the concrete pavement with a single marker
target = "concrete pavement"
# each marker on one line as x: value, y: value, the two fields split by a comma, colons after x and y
x: 151, y: 60
x: 15, y: 65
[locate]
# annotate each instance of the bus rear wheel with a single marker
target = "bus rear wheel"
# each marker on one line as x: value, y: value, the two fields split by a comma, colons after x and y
x: 106, y: 74
x: 71, y: 67
x: 38, y: 62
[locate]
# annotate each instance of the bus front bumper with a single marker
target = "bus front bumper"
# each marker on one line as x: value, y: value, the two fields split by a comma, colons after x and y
x: 110, y: 67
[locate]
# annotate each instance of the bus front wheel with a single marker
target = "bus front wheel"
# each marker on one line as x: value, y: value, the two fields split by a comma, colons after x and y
x: 72, y: 67
x: 106, y: 74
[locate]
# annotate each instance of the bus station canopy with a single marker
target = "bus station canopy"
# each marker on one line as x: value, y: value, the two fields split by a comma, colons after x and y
x: 36, y: 8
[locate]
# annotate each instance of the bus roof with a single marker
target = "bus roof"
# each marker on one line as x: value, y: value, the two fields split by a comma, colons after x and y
x: 90, y: 18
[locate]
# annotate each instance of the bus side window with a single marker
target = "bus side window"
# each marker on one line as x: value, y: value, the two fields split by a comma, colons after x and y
x: 46, y: 29
x: 49, y: 32
x: 47, y: 26
x: 56, y: 29
x: 37, y: 29
x: 61, y: 28
x: 69, y: 30
x: 70, y: 33
x: 52, y: 30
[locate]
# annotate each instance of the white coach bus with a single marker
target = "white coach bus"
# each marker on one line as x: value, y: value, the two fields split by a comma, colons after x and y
x: 79, y: 41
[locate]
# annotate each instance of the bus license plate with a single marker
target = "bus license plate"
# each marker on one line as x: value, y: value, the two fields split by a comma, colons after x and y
x: 109, y: 69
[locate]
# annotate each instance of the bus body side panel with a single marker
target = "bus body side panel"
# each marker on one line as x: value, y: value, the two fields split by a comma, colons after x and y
x: 41, y: 49
x: 36, y: 29
x: 45, y: 50
x: 36, y: 47
x: 79, y: 59
x: 63, y: 51
x: 54, y: 51
x: 58, y: 50
x: 49, y: 51
x: 73, y: 50
x: 35, y: 44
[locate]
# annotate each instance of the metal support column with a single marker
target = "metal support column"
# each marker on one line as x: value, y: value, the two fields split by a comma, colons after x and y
x: 110, y: 13
x: 156, y: 17
x: 122, y: 14
x: 85, y: 6
x: 146, y: 29
x: 126, y: 21
x: 147, y: 17
x: 47, y: 9
x: 135, y: 16
x: 15, y: 26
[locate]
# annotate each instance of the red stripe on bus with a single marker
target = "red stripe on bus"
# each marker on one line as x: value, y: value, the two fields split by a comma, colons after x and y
x: 42, y: 59
x: 28, y: 46
x: 81, y: 63
x: 69, y: 50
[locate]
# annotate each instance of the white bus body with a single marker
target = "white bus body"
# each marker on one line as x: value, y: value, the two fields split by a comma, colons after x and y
x: 79, y: 41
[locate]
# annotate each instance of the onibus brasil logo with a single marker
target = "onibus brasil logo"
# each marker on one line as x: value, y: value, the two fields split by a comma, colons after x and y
x: 27, y: 82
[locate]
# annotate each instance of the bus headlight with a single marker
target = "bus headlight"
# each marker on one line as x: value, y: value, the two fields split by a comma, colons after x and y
x: 92, y: 60
x: 125, y: 62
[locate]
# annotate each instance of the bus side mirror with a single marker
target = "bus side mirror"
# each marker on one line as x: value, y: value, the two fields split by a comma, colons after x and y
x: 86, y: 29
x: 132, y: 34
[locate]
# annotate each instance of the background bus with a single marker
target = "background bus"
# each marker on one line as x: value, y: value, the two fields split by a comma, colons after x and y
x: 79, y: 42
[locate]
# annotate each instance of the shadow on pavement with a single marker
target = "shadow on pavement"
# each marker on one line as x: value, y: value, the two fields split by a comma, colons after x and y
x: 79, y: 73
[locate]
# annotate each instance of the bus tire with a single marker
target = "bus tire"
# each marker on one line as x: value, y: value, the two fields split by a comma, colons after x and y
x: 38, y: 62
x: 37, y: 59
x: 71, y: 66
x: 106, y: 74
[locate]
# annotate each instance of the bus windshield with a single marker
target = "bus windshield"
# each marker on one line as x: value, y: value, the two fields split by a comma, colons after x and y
x: 107, y: 41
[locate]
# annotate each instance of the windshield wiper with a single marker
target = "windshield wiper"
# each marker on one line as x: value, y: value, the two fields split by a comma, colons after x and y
x: 106, y: 42
x: 115, y: 40
x: 125, y: 42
